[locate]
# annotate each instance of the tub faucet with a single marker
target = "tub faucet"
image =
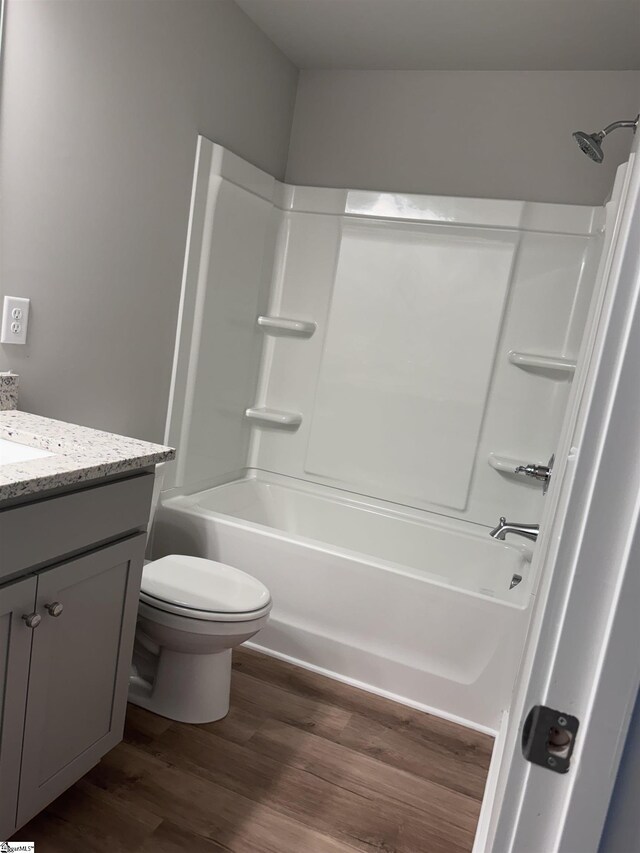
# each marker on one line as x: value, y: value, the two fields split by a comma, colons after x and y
x: 529, y: 531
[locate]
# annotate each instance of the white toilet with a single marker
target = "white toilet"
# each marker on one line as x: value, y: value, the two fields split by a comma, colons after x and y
x: 192, y: 613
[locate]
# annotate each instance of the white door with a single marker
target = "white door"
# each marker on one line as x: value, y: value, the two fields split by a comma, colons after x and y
x: 583, y: 649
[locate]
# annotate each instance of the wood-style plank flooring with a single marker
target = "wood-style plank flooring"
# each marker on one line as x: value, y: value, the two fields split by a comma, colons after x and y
x: 302, y: 764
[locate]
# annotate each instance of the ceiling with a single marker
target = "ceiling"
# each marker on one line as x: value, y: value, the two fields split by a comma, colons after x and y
x: 467, y: 35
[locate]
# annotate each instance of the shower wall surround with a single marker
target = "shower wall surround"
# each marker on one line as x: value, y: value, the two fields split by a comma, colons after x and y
x: 357, y: 376
x: 410, y: 348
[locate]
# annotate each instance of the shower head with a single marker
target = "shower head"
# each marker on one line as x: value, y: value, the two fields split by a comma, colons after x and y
x: 591, y: 143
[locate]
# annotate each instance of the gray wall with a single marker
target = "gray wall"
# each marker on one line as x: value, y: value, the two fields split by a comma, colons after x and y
x: 494, y: 134
x: 101, y: 104
x: 622, y: 829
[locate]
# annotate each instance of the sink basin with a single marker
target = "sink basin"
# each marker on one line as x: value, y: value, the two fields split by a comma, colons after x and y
x: 11, y: 451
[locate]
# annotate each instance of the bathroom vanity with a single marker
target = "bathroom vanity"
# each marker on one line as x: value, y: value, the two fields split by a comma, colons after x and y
x: 74, y: 510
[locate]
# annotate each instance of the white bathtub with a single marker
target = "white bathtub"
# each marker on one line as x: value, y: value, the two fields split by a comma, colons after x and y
x: 404, y: 603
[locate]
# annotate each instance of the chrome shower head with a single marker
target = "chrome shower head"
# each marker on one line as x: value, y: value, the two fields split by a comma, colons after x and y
x: 591, y: 143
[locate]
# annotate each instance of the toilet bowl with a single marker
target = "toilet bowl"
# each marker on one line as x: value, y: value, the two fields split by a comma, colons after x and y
x: 192, y: 613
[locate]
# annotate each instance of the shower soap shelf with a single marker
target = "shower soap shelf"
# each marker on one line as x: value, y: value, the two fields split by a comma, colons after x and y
x: 558, y: 364
x: 287, y: 326
x: 274, y: 417
x: 504, y: 464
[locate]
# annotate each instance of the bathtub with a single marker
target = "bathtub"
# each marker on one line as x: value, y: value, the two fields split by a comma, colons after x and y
x: 427, y: 610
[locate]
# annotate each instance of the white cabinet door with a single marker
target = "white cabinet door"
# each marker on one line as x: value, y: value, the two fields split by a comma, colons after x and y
x: 16, y: 600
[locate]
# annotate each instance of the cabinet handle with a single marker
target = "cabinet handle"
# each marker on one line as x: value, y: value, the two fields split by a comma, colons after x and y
x: 32, y: 620
x: 54, y: 609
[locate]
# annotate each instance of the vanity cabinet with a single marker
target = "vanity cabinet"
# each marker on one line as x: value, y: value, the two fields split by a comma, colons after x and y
x: 16, y: 599
x: 66, y: 637
x: 79, y: 674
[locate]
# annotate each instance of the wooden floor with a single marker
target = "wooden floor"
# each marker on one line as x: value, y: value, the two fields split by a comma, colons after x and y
x: 302, y: 764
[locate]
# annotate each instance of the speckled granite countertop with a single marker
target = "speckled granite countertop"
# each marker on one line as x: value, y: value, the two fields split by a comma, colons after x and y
x: 80, y: 454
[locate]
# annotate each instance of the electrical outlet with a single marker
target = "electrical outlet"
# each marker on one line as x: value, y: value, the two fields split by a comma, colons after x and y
x: 15, y: 317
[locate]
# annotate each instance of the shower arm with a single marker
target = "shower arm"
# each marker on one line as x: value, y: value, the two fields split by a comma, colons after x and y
x: 616, y: 124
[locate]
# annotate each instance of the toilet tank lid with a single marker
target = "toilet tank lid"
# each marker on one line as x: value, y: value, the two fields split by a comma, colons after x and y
x: 206, y: 585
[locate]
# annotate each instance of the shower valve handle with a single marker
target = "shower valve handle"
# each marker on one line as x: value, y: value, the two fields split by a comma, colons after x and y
x: 542, y: 473
x: 538, y: 472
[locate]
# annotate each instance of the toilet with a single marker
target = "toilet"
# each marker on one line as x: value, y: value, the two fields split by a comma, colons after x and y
x: 192, y: 613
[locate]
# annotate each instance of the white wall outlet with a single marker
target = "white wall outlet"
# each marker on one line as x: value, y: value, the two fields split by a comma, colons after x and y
x: 15, y: 317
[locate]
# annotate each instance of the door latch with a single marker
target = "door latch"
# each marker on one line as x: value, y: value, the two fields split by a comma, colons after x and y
x: 548, y: 738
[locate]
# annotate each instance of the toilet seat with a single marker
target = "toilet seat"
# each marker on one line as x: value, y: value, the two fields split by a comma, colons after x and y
x: 202, y: 589
x: 202, y: 615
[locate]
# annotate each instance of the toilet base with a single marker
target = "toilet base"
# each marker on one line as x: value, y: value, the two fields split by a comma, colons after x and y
x: 182, y: 665
x: 189, y: 688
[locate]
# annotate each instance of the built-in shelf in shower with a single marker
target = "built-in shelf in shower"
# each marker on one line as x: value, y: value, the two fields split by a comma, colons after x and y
x: 274, y: 417
x: 504, y: 464
x: 287, y: 326
x: 553, y: 363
